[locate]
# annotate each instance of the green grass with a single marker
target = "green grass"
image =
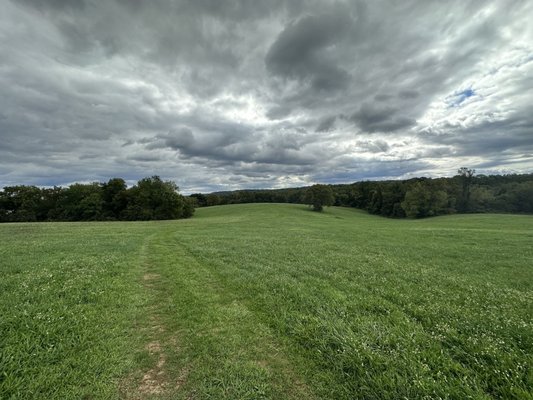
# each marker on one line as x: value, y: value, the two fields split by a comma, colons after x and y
x: 268, y: 301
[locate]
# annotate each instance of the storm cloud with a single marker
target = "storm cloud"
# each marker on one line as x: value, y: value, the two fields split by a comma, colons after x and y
x: 238, y: 94
x: 302, y: 51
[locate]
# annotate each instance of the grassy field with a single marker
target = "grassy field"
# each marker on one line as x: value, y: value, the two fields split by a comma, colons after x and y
x: 268, y: 301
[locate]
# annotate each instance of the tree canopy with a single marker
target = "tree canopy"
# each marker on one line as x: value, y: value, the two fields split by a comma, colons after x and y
x: 319, y: 196
x: 151, y: 198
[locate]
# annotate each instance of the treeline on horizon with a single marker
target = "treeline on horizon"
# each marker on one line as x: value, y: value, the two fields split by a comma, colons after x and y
x: 150, y: 199
x: 412, y: 198
x: 154, y: 199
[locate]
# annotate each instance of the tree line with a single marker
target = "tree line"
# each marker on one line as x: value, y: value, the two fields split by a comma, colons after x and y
x: 150, y: 199
x: 412, y: 198
x: 154, y: 199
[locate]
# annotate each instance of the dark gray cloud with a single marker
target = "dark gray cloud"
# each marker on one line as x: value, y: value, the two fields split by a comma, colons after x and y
x: 302, y: 51
x: 498, y: 140
x: 234, y: 93
x: 375, y: 118
x: 408, y: 94
x: 326, y: 124
x: 47, y: 5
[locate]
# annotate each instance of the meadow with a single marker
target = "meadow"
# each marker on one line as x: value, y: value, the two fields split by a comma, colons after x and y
x: 261, y: 301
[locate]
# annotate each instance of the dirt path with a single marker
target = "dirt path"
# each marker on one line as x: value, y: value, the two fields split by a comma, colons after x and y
x: 156, y: 380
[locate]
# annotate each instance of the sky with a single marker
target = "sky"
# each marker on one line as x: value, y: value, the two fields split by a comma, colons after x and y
x: 234, y: 94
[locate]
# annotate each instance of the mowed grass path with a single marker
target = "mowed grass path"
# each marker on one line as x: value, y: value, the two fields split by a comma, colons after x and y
x: 268, y: 301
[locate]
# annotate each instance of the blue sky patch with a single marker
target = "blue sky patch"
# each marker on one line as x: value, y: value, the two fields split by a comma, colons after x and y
x: 459, y: 97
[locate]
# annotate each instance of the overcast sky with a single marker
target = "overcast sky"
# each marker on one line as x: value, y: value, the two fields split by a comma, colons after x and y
x: 237, y: 94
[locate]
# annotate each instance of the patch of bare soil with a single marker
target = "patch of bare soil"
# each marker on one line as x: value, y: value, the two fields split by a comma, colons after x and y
x: 154, y: 380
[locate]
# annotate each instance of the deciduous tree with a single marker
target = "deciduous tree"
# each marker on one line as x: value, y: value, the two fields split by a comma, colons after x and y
x: 319, y: 196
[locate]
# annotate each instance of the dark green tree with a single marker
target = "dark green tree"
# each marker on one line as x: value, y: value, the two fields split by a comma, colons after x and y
x: 20, y: 203
x: 213, y: 200
x: 393, y: 194
x: 115, y: 198
x: 319, y: 196
x: 153, y: 198
x: 376, y: 201
x: 189, y: 205
x: 49, y: 209
x: 421, y: 200
x: 466, y: 176
x: 81, y: 202
x: 200, y: 199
